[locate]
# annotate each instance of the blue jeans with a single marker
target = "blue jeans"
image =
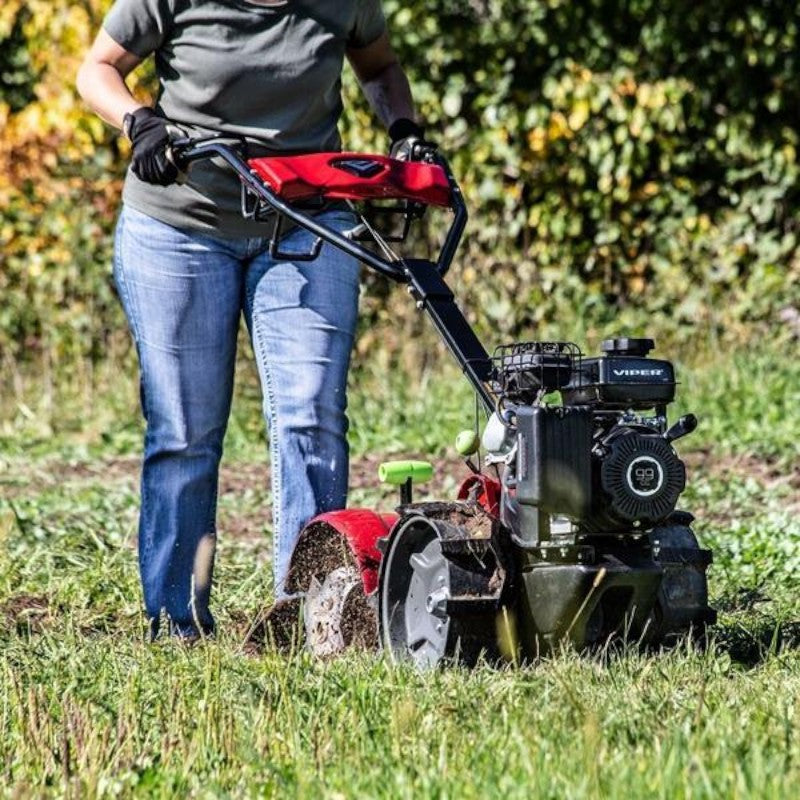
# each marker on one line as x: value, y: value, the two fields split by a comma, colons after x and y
x: 183, y: 293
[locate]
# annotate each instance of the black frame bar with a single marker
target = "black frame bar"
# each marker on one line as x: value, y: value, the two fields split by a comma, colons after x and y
x: 426, y: 277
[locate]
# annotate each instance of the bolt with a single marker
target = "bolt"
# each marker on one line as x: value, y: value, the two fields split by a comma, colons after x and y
x: 436, y: 602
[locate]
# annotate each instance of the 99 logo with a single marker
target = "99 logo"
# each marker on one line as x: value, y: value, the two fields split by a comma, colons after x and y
x: 645, y: 476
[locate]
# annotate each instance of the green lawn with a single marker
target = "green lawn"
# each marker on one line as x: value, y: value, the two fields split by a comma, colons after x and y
x: 87, y: 708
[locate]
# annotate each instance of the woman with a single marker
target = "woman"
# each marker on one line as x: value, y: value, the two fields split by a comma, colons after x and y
x: 187, y: 263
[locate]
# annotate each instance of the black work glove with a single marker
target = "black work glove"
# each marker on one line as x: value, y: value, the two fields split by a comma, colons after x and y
x: 149, y: 137
x: 408, y: 141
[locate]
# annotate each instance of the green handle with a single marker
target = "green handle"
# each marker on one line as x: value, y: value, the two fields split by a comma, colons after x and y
x: 398, y: 472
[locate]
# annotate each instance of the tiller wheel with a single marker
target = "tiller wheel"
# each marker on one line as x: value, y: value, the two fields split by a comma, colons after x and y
x: 440, y: 586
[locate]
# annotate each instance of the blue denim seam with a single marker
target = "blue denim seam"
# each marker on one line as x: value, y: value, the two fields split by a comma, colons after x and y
x: 273, y: 429
x: 122, y: 284
x: 211, y: 527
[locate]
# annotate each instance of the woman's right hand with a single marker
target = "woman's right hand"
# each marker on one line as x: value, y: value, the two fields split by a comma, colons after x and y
x: 149, y: 137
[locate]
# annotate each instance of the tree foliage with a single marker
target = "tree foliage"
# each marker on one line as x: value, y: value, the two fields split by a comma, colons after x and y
x: 621, y: 160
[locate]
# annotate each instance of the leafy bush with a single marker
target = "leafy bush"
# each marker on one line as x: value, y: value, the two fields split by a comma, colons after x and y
x: 618, y: 155
x: 60, y: 180
x: 623, y: 161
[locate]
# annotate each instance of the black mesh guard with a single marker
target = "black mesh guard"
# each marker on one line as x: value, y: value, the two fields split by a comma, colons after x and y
x: 523, y: 370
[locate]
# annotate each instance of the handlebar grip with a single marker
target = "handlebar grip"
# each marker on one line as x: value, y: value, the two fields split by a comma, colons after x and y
x: 178, y: 140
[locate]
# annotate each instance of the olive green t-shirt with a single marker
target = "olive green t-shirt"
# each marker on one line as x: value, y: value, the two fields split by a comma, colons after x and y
x: 271, y: 73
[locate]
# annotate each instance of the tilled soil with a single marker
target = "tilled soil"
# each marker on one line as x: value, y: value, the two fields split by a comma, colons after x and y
x: 472, y: 519
x: 279, y: 628
x: 360, y: 621
x: 319, y: 551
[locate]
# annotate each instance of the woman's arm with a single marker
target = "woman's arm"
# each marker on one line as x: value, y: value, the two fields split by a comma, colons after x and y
x: 101, y: 79
x: 101, y: 82
x: 382, y: 80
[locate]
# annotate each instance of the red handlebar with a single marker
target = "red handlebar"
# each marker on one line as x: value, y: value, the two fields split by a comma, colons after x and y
x: 280, y: 180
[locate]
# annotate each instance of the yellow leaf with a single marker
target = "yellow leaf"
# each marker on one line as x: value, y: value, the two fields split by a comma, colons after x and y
x: 537, y: 140
x: 579, y: 115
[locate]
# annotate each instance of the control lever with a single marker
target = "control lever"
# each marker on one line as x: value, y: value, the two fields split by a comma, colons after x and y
x: 684, y: 426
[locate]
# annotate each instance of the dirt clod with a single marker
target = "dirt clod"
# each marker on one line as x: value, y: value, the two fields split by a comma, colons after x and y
x: 472, y: 519
x: 360, y: 621
x: 280, y: 628
x: 26, y: 613
x: 319, y: 551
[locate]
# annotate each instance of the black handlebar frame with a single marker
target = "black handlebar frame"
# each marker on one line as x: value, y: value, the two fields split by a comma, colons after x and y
x: 184, y: 151
x: 425, y: 279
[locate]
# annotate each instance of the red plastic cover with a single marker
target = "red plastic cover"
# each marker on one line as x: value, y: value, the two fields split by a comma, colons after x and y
x: 353, y: 176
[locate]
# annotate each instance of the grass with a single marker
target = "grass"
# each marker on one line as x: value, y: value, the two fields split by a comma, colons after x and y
x: 88, y: 709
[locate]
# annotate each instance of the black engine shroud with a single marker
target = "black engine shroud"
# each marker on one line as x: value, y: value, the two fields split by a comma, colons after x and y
x: 595, y: 459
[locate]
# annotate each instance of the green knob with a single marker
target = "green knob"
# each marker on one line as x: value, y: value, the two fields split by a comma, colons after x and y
x: 398, y: 472
x: 467, y: 443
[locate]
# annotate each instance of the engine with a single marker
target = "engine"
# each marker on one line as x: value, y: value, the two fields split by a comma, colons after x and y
x: 603, y: 457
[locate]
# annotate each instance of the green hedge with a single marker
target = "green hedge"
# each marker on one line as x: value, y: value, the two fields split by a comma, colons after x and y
x: 619, y: 155
x: 624, y: 162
